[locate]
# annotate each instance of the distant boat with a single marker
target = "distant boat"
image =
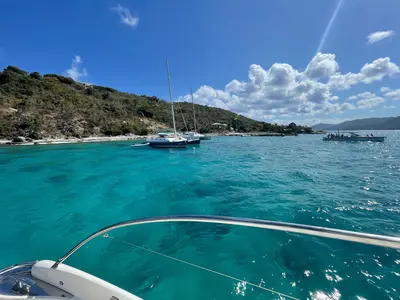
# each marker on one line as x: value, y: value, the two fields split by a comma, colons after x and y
x: 141, y: 144
x: 192, y: 136
x: 237, y: 134
x: 352, y: 137
x: 168, y: 140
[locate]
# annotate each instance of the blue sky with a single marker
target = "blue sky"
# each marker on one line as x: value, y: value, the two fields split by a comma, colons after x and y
x: 258, y: 58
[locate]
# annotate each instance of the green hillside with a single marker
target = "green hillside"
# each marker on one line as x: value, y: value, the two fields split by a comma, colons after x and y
x: 51, y: 105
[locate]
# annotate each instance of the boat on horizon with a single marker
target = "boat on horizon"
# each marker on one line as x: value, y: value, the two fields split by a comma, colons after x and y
x: 352, y: 137
x: 164, y: 140
x: 54, y: 280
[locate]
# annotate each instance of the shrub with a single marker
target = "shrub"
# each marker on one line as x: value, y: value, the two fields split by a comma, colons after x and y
x: 35, y: 75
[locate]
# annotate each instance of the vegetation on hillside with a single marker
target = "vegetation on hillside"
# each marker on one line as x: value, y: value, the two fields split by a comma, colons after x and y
x: 36, y: 106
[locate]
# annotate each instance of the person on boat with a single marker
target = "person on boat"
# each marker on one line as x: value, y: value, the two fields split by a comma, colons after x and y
x: 372, y: 135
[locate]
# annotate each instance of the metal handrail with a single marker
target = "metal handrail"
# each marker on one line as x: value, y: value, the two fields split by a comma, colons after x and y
x: 359, y: 237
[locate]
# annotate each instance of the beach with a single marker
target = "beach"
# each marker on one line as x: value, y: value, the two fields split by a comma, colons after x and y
x: 52, y: 141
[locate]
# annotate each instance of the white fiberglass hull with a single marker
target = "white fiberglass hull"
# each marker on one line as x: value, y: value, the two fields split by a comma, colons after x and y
x: 193, y: 137
x: 38, y: 280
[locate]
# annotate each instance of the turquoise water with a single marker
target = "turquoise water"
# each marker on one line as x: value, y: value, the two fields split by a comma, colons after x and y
x: 53, y: 196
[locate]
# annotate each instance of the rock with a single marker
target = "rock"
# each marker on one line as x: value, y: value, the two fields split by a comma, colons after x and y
x: 19, y: 139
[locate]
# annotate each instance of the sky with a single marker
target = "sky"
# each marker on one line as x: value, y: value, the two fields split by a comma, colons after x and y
x: 306, y: 61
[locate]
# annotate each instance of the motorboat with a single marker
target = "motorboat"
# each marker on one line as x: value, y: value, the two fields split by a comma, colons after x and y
x: 192, y: 137
x: 164, y: 140
x: 237, y: 134
x: 142, y: 144
x: 55, y: 280
x: 205, y: 137
x: 352, y: 137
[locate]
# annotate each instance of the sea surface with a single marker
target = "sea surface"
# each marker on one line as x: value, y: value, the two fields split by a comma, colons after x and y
x: 53, y: 196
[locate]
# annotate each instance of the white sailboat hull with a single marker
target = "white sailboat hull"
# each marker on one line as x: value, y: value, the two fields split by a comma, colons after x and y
x: 167, y: 142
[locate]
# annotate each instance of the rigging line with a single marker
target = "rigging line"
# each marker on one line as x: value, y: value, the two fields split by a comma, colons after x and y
x: 200, y: 267
x: 183, y: 118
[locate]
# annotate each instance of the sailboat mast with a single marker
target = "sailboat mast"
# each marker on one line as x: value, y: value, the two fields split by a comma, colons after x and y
x: 170, y: 98
x: 194, y: 114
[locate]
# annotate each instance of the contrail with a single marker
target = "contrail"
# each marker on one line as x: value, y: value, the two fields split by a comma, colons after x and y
x: 329, y: 27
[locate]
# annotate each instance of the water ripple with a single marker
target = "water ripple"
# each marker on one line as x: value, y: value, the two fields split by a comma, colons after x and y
x: 55, y: 195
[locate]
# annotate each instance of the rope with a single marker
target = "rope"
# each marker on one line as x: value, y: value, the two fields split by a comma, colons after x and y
x: 183, y: 118
x: 200, y: 267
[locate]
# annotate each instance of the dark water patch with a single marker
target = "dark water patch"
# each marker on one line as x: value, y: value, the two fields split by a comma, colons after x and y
x: 57, y: 179
x: 92, y: 178
x: 145, y: 275
x: 5, y: 161
x: 302, y: 176
x: 197, y: 231
x: 32, y: 169
x: 72, y: 222
x: 66, y: 198
x: 204, y: 191
x: 298, y: 192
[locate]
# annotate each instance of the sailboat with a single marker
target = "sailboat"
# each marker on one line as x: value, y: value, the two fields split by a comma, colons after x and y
x: 192, y: 136
x: 168, y: 140
x: 55, y: 280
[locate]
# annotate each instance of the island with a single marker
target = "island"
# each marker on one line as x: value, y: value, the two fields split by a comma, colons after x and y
x: 51, y: 107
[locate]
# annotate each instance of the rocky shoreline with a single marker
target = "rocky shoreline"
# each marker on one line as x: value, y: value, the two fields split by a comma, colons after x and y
x: 21, y: 141
x: 52, y: 141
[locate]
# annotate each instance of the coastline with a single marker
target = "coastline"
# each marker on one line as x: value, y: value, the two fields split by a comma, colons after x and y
x: 55, y: 141
x: 131, y: 137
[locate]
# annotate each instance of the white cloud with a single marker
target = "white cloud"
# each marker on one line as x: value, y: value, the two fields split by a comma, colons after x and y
x: 394, y: 95
x: 322, y: 65
x: 366, y: 100
x: 334, y: 98
x: 389, y: 106
x: 365, y: 95
x: 379, y: 36
x: 369, y: 103
x: 369, y: 73
x: 385, y: 89
x: 76, y: 72
x: 283, y: 91
x: 352, y: 98
x: 347, y: 106
x: 378, y: 69
x: 126, y: 16
x: 344, y: 81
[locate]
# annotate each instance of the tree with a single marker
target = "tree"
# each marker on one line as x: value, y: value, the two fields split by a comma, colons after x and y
x: 55, y: 105
x: 35, y: 75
